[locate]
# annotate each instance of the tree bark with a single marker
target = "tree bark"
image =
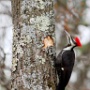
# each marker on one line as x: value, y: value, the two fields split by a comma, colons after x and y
x: 33, y: 65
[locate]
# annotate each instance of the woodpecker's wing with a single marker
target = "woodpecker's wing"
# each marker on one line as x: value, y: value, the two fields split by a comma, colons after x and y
x: 58, y: 66
x: 64, y: 67
x: 68, y: 59
x: 58, y: 63
x: 59, y: 58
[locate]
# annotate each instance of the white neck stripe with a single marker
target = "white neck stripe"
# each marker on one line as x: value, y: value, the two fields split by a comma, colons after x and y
x: 68, y: 48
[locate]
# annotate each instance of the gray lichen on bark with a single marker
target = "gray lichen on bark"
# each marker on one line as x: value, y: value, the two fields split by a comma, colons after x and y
x: 32, y: 68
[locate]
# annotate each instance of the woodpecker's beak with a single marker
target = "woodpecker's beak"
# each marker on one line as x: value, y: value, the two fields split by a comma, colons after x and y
x: 71, y: 41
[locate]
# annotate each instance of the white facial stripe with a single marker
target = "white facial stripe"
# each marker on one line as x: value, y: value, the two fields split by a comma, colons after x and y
x: 68, y: 48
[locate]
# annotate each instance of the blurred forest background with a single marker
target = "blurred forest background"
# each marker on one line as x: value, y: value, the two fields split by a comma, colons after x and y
x: 70, y: 15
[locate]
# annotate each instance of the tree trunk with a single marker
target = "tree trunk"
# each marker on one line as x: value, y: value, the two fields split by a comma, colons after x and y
x: 33, y: 64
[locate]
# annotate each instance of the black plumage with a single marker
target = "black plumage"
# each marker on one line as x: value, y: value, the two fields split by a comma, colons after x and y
x: 64, y: 65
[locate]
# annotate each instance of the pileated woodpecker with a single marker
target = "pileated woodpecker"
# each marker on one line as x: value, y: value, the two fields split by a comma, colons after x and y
x: 65, y: 62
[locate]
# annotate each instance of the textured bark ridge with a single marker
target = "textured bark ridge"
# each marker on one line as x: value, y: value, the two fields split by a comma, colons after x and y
x: 32, y: 65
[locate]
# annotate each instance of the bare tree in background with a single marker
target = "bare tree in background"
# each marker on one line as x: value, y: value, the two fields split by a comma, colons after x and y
x: 5, y: 44
x: 33, y: 45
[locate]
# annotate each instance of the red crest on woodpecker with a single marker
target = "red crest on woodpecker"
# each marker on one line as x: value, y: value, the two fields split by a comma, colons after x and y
x: 78, y: 41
